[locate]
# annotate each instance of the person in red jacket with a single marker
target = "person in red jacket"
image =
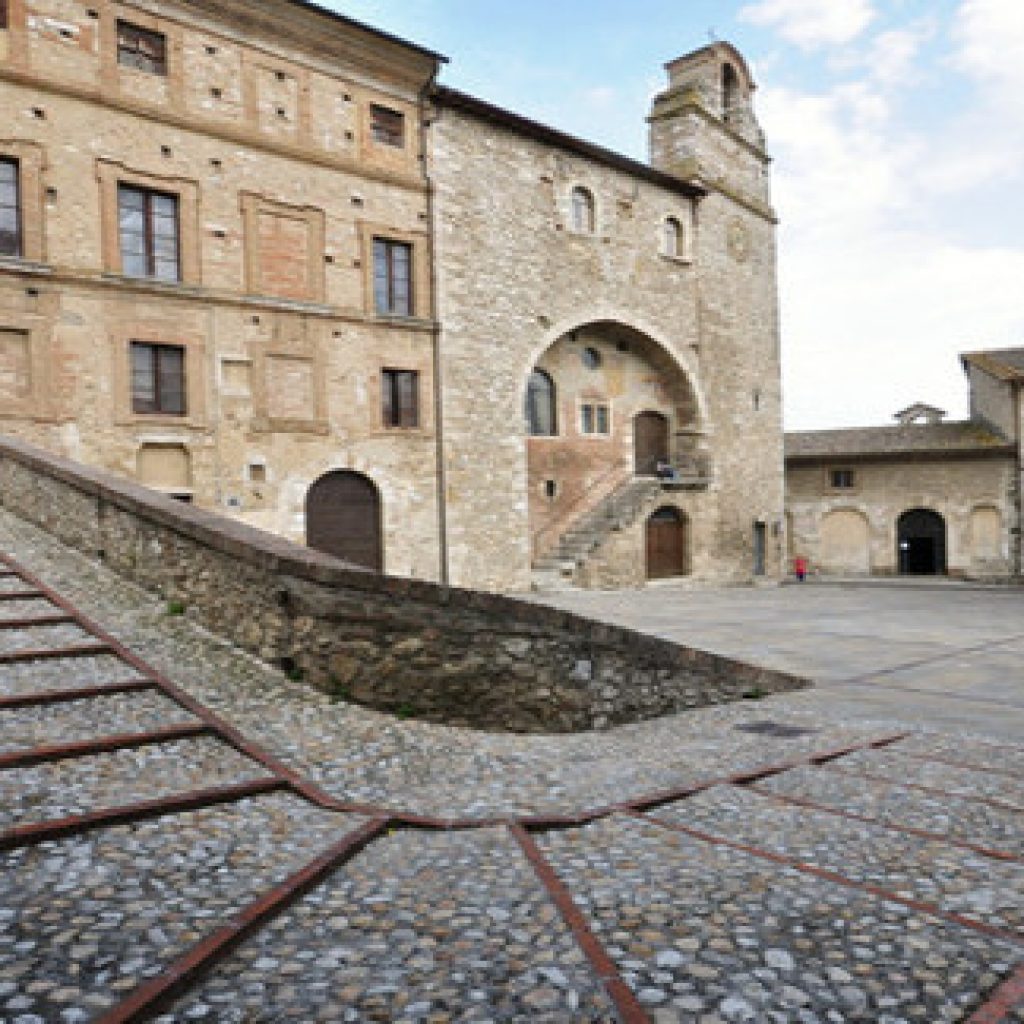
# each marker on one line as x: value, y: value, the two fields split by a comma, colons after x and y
x: 800, y: 567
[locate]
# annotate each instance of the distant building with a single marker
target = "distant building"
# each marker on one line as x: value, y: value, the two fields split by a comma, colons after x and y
x: 921, y: 497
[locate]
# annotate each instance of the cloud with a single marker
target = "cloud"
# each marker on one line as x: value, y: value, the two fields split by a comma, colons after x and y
x: 812, y: 23
x: 990, y: 38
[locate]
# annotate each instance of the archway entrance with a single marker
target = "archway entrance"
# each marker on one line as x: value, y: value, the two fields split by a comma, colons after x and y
x: 921, y: 543
x: 666, y: 544
x: 343, y: 519
x: 650, y: 442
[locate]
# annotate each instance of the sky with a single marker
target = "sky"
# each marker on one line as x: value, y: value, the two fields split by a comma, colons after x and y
x: 896, y: 129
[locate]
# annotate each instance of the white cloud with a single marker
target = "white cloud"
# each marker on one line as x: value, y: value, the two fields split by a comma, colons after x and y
x: 812, y: 23
x: 990, y: 38
x: 894, y: 53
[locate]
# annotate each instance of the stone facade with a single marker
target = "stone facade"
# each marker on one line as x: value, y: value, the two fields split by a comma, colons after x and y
x: 262, y: 124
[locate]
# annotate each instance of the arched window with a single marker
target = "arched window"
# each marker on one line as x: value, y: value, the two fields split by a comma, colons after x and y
x: 730, y: 91
x: 673, y: 238
x: 582, y: 210
x: 540, y: 405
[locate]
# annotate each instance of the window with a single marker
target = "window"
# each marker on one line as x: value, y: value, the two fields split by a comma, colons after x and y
x: 387, y: 126
x: 591, y: 358
x: 594, y: 418
x: 148, y: 224
x: 841, y: 478
x: 3, y: 14
x: 730, y: 90
x: 392, y: 282
x: 158, y: 378
x: 141, y: 49
x: 10, y: 212
x: 673, y: 238
x: 540, y: 405
x: 582, y: 211
x: 400, y: 398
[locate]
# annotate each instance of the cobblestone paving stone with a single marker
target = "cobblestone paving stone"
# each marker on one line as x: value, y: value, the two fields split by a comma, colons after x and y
x: 418, y: 927
x: 952, y: 878
x: 709, y: 935
x: 957, y: 817
x: 118, y: 714
x: 28, y: 608
x: 41, y: 637
x: 893, y: 765
x: 58, y: 789
x: 968, y: 750
x: 86, y: 920
x: 29, y: 677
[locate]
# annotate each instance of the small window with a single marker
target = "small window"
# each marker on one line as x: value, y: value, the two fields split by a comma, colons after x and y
x: 841, y: 479
x: 540, y: 405
x: 594, y: 418
x: 582, y: 211
x: 3, y: 14
x: 400, y: 398
x: 387, y: 126
x: 148, y: 224
x: 158, y: 378
x: 392, y: 277
x: 141, y: 49
x: 673, y: 239
x: 591, y: 358
x: 550, y: 489
x: 10, y: 209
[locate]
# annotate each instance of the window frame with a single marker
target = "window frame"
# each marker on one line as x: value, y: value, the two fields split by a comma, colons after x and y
x: 394, y: 413
x: 149, y: 236
x: 387, y: 126
x: 583, y: 210
x: 390, y: 248
x: 130, y: 36
x: 550, y: 392
x: 842, y: 479
x: 19, y: 241
x: 158, y: 350
x: 592, y: 412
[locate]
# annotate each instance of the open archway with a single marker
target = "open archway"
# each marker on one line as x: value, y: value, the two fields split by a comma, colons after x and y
x: 921, y: 543
x: 343, y: 519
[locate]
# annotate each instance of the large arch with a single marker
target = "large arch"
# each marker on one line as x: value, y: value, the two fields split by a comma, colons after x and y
x: 844, y: 546
x: 343, y: 518
x: 921, y: 543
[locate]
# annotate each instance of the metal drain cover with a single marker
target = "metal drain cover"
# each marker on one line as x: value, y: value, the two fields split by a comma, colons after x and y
x: 774, y: 729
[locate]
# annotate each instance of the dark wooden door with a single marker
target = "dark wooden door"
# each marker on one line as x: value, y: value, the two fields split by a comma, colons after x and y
x: 650, y: 442
x: 343, y: 519
x: 666, y: 544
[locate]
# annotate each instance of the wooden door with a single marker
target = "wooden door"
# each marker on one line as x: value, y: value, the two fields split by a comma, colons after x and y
x: 650, y: 442
x: 666, y: 544
x: 343, y: 519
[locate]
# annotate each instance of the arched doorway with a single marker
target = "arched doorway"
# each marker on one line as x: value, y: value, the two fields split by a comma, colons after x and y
x: 650, y: 442
x: 343, y: 519
x: 921, y: 543
x: 666, y: 543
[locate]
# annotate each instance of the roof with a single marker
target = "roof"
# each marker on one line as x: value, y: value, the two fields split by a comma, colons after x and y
x: 1003, y: 363
x: 485, y: 111
x: 961, y: 437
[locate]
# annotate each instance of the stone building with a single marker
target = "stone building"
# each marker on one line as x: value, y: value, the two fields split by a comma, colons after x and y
x: 921, y: 497
x: 253, y: 256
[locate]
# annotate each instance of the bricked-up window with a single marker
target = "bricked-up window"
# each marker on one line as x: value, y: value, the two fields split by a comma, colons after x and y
x: 158, y: 378
x: 582, y: 211
x: 400, y: 398
x: 594, y: 418
x: 540, y: 405
x: 673, y: 238
x: 841, y: 478
x: 10, y: 209
x: 141, y: 49
x: 148, y: 223
x: 392, y: 277
x: 387, y: 126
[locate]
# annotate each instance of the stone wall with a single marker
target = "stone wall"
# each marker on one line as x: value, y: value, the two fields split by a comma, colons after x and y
x: 399, y: 645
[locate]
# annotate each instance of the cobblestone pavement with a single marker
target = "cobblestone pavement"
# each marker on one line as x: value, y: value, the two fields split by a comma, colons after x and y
x: 762, y: 862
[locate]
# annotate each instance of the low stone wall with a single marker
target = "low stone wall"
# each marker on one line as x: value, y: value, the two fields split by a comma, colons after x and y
x: 399, y: 645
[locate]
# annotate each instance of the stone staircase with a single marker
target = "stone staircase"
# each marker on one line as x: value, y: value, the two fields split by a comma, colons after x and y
x: 619, y: 509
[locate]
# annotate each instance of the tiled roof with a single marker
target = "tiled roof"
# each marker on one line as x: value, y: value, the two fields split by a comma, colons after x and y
x: 959, y: 436
x: 1004, y: 363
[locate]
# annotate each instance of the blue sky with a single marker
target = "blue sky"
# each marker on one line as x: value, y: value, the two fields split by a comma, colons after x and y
x: 897, y: 130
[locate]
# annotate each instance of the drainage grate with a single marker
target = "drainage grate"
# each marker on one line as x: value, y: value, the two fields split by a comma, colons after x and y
x: 774, y: 729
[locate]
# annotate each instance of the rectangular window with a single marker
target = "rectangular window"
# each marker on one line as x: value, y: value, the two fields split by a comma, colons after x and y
x: 141, y: 49
x: 594, y: 419
x: 10, y: 209
x: 148, y: 223
x: 400, y: 398
x: 158, y: 378
x: 387, y: 126
x: 392, y: 277
x: 3, y: 14
x: 841, y: 478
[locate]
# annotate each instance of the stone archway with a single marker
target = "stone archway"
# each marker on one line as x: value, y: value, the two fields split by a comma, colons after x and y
x: 921, y: 543
x: 666, y: 543
x: 343, y: 519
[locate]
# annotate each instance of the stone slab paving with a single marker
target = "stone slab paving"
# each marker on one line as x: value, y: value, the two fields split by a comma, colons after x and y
x: 957, y: 817
x: 84, y: 921
x: 929, y: 871
x: 997, y: 757
x: 27, y: 608
x: 418, y: 927
x: 59, y: 789
x: 31, y: 677
x: 89, y: 719
x: 712, y: 935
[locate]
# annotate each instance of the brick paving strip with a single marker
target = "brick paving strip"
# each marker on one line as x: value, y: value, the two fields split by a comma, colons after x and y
x: 183, y: 973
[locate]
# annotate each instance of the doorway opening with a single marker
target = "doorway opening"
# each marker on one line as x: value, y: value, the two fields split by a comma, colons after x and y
x: 650, y: 442
x: 921, y: 543
x: 343, y: 519
x: 666, y: 543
